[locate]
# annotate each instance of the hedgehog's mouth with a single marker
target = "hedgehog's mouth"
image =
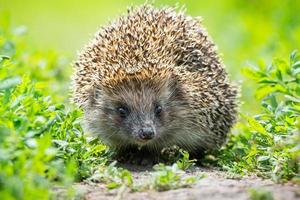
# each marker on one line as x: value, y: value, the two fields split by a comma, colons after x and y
x: 142, y: 142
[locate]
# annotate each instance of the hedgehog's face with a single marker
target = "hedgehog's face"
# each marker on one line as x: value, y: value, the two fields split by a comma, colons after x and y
x: 136, y: 112
x: 138, y: 119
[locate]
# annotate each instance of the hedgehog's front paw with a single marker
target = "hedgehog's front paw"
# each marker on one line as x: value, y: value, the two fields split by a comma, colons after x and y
x: 139, y: 157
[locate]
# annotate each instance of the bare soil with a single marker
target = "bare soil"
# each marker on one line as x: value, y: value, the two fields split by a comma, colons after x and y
x: 217, y: 185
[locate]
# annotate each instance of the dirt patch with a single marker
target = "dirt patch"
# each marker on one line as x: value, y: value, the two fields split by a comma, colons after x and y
x: 215, y: 185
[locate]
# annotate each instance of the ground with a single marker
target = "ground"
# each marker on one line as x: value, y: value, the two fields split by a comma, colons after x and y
x: 215, y: 185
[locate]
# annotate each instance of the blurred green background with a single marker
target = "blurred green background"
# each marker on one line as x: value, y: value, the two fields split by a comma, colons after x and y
x: 246, y: 32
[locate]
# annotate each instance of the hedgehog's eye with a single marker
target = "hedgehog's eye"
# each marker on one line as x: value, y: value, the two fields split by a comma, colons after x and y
x: 123, y: 111
x: 158, y: 110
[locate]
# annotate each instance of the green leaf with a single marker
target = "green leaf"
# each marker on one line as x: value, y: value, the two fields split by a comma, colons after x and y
x: 267, y: 81
x: 263, y: 158
x: 250, y: 73
x: 255, y: 125
x: 113, y: 185
x: 279, y: 75
x: 281, y: 67
x: 296, y: 65
x: 9, y: 82
x: 294, y: 99
x: 8, y: 48
x: 293, y: 55
x: 263, y: 91
x: 4, y: 57
x: 273, y: 101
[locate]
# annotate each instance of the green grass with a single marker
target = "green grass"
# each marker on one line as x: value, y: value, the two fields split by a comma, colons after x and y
x: 255, y: 194
x: 269, y: 143
x: 42, y: 144
x: 41, y: 141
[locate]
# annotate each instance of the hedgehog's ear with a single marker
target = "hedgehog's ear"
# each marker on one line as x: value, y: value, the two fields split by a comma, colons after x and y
x: 168, y: 87
x: 99, y: 94
x: 174, y: 88
x: 95, y: 95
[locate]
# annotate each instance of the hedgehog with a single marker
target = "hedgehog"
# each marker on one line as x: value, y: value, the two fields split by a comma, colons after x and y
x: 153, y: 79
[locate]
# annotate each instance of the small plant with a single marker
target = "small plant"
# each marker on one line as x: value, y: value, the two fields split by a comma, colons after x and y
x: 112, y: 176
x: 170, y: 177
x: 27, y: 160
x: 268, y: 143
x: 184, y: 162
x: 164, y: 178
x: 41, y: 142
x: 260, y: 194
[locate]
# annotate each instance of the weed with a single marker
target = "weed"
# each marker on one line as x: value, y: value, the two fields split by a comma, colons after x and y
x: 268, y: 143
x: 260, y: 194
x: 184, y: 162
x: 170, y: 177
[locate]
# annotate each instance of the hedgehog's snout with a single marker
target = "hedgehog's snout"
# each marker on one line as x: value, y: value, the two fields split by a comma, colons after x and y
x: 146, y: 133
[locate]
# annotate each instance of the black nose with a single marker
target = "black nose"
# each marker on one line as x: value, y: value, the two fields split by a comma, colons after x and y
x: 146, y: 133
